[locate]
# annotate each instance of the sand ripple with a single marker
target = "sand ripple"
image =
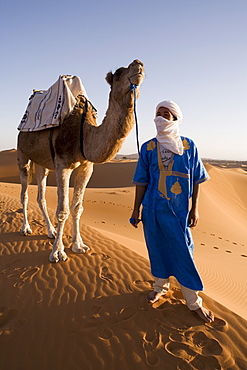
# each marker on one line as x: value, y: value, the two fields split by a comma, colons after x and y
x: 90, y: 312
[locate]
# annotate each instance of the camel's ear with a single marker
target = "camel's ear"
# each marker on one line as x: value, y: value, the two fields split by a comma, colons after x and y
x: 109, y: 78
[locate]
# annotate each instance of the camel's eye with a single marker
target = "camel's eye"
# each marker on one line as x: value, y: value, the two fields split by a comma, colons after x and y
x: 118, y: 73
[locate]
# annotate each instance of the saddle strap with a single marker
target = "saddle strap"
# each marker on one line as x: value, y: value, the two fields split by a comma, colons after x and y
x: 51, y: 145
x: 83, y: 116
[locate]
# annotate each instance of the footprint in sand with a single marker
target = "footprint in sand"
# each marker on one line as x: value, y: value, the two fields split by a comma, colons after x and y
x: 143, y: 284
x: 105, y: 275
x: 202, y: 363
x: 177, y: 337
x: 105, y: 334
x: 152, y: 334
x: 191, y: 358
x: 180, y: 350
x: 151, y: 340
x: 218, y: 324
x: 18, y: 272
x: 207, y: 346
x: 22, y: 274
x: 124, y: 319
x: 150, y: 356
x: 103, y: 256
x: 9, y: 322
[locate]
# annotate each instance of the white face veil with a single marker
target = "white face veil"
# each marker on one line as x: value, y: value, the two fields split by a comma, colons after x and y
x: 168, y: 131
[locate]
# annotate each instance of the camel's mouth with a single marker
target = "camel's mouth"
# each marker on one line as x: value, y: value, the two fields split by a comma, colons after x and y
x: 138, y: 74
x: 137, y: 78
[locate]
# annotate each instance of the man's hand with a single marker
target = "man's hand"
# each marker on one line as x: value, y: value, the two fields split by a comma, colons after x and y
x: 193, y: 218
x: 193, y: 214
x: 139, y: 194
x: 134, y: 220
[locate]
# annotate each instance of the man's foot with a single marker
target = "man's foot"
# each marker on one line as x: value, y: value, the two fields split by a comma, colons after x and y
x: 154, y: 296
x: 205, y: 314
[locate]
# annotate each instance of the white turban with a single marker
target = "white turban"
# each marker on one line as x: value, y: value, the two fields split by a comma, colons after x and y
x: 168, y: 131
x: 173, y: 108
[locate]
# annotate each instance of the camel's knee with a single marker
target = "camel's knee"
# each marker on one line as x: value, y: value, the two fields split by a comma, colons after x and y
x: 76, y: 210
x: 62, y: 215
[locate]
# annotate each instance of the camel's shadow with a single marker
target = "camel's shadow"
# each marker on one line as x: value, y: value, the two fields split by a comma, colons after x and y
x: 92, y: 310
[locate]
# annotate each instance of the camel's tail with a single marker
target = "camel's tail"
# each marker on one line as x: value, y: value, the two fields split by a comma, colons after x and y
x: 30, y: 172
x: 27, y: 171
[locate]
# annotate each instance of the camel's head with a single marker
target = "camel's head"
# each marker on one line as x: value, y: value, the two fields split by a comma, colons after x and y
x: 121, y: 80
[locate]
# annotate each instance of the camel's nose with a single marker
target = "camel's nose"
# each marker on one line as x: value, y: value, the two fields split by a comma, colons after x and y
x: 138, y: 62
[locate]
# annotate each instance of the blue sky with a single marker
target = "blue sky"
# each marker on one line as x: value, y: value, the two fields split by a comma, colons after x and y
x: 194, y: 51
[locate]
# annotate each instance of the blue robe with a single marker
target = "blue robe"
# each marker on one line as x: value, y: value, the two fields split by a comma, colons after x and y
x: 165, y: 210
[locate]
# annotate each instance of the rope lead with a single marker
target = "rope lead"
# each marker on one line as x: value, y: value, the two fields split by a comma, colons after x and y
x: 133, y: 87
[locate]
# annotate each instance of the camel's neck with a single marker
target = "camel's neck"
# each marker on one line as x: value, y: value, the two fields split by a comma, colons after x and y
x: 101, y: 143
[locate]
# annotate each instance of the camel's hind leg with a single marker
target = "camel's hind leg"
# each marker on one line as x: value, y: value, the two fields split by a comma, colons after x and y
x: 83, y: 174
x: 41, y: 176
x: 25, y: 169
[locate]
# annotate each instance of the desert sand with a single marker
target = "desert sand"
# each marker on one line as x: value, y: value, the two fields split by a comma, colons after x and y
x: 90, y: 311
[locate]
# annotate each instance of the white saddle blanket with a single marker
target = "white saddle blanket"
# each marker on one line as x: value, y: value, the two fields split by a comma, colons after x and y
x: 49, y: 108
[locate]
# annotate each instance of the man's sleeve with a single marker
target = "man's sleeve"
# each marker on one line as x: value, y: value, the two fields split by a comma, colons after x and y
x: 141, y: 176
x: 199, y: 171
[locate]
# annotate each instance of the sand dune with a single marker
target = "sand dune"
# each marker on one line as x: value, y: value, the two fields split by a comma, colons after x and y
x: 100, y: 179
x: 90, y: 312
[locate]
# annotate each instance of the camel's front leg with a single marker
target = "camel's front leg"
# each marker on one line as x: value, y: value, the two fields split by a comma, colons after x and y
x: 41, y: 176
x: 83, y: 174
x: 62, y: 176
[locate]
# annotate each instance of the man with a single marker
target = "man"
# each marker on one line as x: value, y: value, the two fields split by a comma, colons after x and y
x: 168, y: 174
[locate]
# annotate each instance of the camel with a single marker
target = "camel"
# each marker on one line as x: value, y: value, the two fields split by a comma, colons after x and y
x: 76, y: 144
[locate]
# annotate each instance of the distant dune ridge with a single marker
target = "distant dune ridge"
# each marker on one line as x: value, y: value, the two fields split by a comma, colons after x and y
x: 90, y: 312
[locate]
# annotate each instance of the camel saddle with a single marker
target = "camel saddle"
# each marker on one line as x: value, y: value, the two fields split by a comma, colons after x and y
x: 48, y: 108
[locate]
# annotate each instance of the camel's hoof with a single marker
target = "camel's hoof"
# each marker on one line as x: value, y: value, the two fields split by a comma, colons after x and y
x: 81, y: 249
x: 26, y: 231
x: 58, y: 256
